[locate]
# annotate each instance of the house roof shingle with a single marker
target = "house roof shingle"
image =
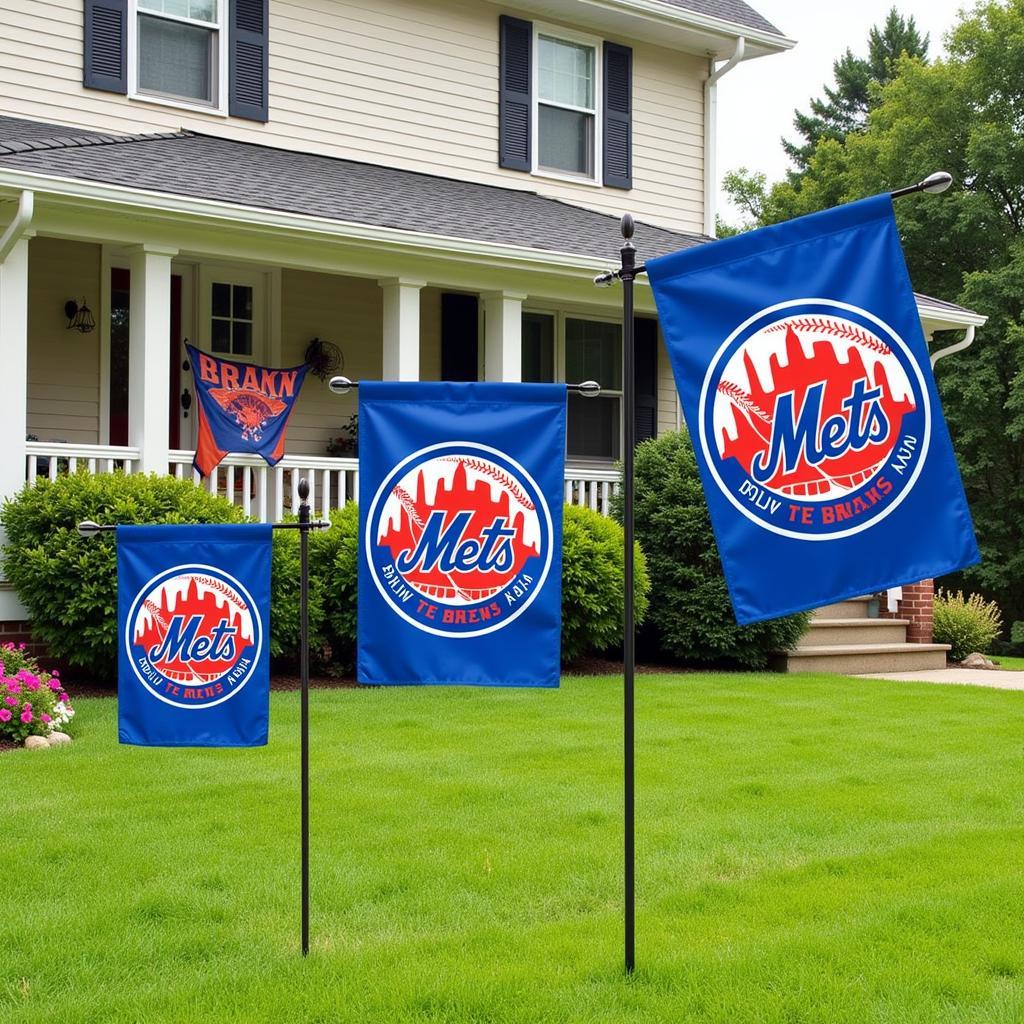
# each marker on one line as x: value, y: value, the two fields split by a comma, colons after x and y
x: 735, y: 11
x: 206, y: 167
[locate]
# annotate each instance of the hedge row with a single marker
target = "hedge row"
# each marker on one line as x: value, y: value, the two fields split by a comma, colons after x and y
x: 69, y: 585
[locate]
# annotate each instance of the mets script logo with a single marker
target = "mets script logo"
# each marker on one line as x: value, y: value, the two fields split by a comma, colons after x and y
x: 814, y: 419
x: 458, y: 539
x: 193, y: 636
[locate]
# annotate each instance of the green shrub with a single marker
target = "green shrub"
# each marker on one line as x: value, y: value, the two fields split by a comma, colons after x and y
x: 691, y: 617
x: 593, y: 578
x: 332, y: 592
x: 967, y: 625
x: 69, y: 584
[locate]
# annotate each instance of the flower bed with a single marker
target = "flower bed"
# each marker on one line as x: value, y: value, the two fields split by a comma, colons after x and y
x: 32, y: 702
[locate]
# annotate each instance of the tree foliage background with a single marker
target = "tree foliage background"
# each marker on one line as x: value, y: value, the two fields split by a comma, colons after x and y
x: 964, y: 113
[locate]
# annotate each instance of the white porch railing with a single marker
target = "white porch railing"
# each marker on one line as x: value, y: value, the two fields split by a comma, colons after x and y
x: 267, y: 492
x: 48, y: 458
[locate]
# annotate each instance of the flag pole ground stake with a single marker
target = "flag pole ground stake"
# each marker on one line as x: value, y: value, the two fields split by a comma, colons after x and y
x: 627, y: 273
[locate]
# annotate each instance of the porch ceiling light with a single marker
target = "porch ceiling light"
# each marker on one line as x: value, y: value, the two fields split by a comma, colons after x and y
x: 79, y: 317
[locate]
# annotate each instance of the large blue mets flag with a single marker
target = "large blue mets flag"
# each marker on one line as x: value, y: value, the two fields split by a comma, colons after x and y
x: 804, y: 376
x: 460, y: 516
x: 193, y: 617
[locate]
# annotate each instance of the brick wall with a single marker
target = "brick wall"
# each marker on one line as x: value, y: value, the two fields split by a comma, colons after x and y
x: 917, y: 607
x: 21, y: 633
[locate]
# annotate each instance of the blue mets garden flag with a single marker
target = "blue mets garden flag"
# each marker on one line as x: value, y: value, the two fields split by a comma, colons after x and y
x: 804, y: 376
x: 460, y: 514
x: 193, y: 627
x: 242, y: 408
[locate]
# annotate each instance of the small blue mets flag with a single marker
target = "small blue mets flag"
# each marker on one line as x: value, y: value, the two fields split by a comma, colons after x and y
x: 193, y: 614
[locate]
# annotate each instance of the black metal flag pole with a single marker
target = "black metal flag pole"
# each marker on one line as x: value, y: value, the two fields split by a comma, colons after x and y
x: 627, y: 273
x: 303, y: 525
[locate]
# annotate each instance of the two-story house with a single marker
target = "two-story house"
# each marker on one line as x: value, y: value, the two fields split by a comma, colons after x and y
x: 428, y: 184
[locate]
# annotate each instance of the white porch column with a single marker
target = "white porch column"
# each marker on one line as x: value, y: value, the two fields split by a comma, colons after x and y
x: 149, y: 356
x: 401, y: 328
x: 14, y: 360
x: 503, y: 336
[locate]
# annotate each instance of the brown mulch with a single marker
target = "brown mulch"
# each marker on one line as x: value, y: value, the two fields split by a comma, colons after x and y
x: 8, y: 745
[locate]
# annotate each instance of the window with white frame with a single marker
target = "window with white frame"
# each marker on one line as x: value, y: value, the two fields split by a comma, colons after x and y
x: 180, y: 50
x: 578, y: 348
x: 566, y: 106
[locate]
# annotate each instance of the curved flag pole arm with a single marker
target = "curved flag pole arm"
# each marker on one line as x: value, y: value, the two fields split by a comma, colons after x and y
x: 935, y: 183
x: 588, y: 388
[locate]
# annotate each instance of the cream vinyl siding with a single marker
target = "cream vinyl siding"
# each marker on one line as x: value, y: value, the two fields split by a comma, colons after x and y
x: 63, y: 365
x: 668, y: 397
x: 347, y: 311
x: 406, y: 83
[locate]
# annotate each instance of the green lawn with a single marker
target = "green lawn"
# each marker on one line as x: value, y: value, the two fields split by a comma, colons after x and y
x: 811, y: 849
x: 1014, y: 664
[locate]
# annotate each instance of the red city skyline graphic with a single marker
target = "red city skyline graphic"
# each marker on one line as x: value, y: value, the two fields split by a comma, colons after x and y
x: 461, y: 495
x: 217, y: 604
x: 752, y: 411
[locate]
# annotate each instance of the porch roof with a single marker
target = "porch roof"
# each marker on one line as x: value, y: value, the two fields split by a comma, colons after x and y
x: 207, y: 167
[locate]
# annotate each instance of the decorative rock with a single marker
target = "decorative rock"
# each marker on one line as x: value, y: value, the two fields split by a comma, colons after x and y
x: 977, y: 660
x: 36, y: 743
x: 55, y: 739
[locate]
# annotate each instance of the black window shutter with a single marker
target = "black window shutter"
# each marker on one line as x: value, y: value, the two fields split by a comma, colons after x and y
x: 249, y: 40
x: 514, y: 98
x: 646, y: 361
x: 105, y: 61
x: 618, y: 116
x: 460, y: 336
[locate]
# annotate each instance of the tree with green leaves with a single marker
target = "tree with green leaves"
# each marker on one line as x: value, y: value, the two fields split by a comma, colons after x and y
x: 845, y: 106
x: 963, y: 114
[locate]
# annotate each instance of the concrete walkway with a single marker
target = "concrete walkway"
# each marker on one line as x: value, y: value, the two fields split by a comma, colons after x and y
x: 997, y: 678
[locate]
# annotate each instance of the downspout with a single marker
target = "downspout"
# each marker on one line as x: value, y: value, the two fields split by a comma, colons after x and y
x: 18, y: 226
x: 958, y: 346
x: 711, y: 131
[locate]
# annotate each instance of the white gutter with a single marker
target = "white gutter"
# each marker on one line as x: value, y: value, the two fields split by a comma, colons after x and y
x: 668, y: 14
x: 959, y: 346
x: 711, y: 131
x: 188, y: 209
x: 17, y: 228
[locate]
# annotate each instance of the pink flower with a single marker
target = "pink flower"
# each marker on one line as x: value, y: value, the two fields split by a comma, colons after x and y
x: 46, y: 718
x: 21, y: 647
x: 11, y: 702
x: 64, y: 699
x: 54, y: 684
x: 26, y: 716
x: 5, y: 715
x: 13, y: 686
x: 55, y: 672
x: 32, y: 683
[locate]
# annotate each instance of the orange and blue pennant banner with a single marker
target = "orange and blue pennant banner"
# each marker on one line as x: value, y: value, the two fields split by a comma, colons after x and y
x: 242, y: 408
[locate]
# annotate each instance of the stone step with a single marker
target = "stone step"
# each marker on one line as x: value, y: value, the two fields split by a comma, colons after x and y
x: 829, y: 632
x: 855, y: 608
x: 853, y: 659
